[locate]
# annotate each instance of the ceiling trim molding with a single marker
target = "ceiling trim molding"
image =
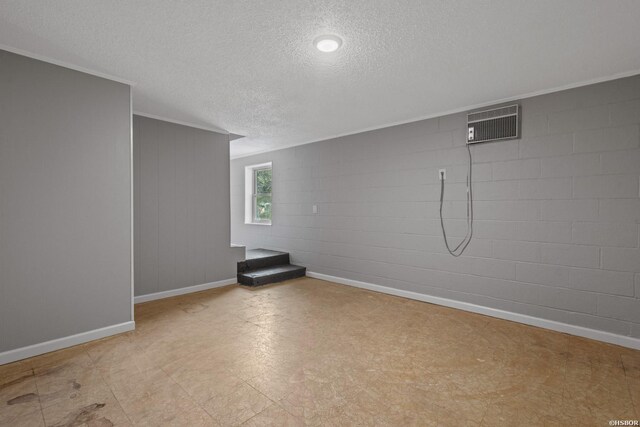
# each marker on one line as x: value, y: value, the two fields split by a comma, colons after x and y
x: 180, y: 122
x: 454, y: 111
x: 68, y: 65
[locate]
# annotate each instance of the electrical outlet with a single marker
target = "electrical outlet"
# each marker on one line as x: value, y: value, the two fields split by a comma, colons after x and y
x: 442, y: 174
x: 315, y: 209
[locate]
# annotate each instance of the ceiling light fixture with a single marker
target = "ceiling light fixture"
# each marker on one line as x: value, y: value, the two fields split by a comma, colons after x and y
x: 327, y: 43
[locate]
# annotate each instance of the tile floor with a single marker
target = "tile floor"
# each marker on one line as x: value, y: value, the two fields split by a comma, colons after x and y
x: 309, y: 352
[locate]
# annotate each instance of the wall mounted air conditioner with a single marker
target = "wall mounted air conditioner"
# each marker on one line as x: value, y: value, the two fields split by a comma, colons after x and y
x: 494, y: 124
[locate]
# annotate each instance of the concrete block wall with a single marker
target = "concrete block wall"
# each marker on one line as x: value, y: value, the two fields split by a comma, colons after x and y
x: 556, y: 212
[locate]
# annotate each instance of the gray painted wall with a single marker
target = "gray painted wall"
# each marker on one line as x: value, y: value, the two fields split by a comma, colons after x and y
x: 181, y: 179
x: 557, y: 212
x: 65, y: 202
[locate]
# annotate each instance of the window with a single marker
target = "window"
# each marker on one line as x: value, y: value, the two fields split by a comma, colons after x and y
x: 258, y: 182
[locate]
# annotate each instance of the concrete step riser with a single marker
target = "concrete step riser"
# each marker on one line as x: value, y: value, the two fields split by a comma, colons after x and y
x: 270, y: 277
x: 252, y: 264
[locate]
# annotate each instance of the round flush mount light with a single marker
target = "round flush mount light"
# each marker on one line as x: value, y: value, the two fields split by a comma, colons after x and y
x: 327, y: 43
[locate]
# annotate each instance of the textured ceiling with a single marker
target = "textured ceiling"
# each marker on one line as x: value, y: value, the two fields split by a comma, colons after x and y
x: 250, y: 67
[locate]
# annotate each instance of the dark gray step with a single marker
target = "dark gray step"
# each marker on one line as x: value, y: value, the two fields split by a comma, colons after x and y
x: 271, y: 274
x: 260, y: 258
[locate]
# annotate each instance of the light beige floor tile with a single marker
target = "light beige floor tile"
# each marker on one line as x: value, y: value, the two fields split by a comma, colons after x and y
x: 237, y: 406
x: 11, y: 368
x: 96, y: 407
x: 203, y: 377
x: 18, y: 396
x: 30, y: 419
x: 55, y: 390
x: 152, y: 398
x: 274, y: 415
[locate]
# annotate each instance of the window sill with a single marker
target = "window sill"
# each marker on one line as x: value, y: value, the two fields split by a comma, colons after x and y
x: 257, y: 223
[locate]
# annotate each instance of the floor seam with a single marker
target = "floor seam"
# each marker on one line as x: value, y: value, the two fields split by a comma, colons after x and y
x: 626, y: 380
x: 33, y: 372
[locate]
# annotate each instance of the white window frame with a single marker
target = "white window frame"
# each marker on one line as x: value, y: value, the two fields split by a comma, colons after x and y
x: 250, y: 193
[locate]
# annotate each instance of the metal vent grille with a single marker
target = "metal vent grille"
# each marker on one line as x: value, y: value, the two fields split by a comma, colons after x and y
x: 493, y: 125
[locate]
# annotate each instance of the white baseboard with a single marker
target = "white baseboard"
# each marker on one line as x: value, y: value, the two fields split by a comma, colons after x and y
x: 181, y: 291
x: 580, y: 331
x: 60, y: 343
